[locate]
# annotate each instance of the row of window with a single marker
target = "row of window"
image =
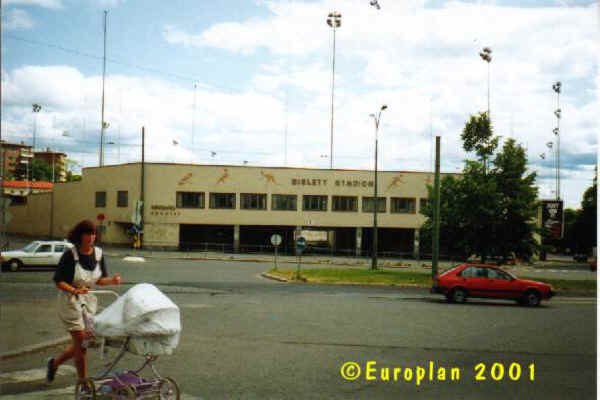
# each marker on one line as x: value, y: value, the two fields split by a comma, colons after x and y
x: 289, y: 202
x: 280, y: 202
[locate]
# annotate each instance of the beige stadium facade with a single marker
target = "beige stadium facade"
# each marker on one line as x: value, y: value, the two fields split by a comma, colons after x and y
x: 236, y: 208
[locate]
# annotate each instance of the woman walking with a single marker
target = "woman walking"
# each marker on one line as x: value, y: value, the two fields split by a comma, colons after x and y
x: 80, y: 269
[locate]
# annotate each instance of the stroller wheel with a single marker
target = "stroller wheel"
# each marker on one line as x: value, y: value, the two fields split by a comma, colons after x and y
x: 126, y: 392
x: 168, y: 389
x: 85, y: 390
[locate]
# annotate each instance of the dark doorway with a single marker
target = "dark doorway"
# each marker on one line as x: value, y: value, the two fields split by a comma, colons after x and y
x: 257, y: 238
x: 391, y: 242
x: 206, y: 237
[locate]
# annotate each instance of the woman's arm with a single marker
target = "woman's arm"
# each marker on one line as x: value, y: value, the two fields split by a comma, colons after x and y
x: 105, y: 281
x: 65, y: 287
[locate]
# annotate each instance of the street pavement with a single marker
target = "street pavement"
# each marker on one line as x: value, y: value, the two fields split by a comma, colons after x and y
x: 245, y: 337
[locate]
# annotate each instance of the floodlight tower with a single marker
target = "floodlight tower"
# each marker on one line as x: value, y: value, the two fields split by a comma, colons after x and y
x: 334, y: 20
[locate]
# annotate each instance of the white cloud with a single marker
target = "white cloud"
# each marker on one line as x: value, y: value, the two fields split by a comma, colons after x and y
x: 422, y: 63
x: 17, y: 19
x: 40, y: 3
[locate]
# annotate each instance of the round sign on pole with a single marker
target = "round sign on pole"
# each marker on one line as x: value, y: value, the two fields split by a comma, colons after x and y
x: 275, y: 240
x: 100, y: 217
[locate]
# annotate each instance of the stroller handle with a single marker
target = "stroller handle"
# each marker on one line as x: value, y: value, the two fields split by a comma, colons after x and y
x: 104, y: 292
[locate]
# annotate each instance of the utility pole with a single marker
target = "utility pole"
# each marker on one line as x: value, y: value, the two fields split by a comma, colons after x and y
x: 142, y: 185
x: 334, y: 20
x: 436, y: 212
x: 102, y: 123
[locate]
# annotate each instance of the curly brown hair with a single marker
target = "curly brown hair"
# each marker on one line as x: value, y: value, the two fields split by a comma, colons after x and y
x: 85, y: 226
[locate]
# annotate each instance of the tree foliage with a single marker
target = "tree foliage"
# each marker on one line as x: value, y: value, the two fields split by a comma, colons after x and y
x: 489, y: 210
x: 41, y: 171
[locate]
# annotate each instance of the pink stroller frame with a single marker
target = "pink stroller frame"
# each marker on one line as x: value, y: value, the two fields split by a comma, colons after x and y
x: 121, y: 385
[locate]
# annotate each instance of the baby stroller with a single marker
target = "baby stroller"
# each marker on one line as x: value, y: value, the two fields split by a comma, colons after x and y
x: 144, y: 322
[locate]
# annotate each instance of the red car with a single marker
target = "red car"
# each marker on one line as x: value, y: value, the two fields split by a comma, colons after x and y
x: 488, y: 281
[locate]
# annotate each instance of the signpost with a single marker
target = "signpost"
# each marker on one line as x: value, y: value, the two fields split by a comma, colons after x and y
x: 100, y: 228
x: 276, y: 241
x: 300, y: 246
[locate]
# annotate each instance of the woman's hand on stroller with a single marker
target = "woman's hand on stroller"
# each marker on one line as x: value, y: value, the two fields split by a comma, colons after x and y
x: 81, y: 290
x: 116, y: 279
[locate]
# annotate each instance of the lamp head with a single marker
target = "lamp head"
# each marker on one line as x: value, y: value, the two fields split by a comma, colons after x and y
x: 383, y: 107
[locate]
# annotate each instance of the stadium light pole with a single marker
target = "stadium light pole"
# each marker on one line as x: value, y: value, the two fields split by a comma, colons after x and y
x: 556, y: 87
x: 334, y: 20
x: 377, y: 119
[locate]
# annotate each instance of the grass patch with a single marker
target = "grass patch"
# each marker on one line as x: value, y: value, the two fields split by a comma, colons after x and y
x: 587, y: 287
x: 357, y: 276
x: 407, y: 278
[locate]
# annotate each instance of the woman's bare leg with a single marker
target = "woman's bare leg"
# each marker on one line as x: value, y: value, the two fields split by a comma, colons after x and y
x: 79, y: 354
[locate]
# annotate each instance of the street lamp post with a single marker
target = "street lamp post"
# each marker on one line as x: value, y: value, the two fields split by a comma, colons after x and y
x: 486, y: 55
x: 556, y: 87
x: 334, y: 20
x: 377, y: 118
x: 36, y: 109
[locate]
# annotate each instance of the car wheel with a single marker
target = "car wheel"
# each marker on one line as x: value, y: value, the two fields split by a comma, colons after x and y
x: 14, y: 265
x: 459, y: 295
x: 532, y: 298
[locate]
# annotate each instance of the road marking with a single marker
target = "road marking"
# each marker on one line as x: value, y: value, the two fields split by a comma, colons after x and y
x: 134, y: 259
x: 196, y: 306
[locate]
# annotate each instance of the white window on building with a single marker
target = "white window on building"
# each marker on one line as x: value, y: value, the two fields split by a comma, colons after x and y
x: 222, y: 201
x: 190, y: 199
x: 122, y: 198
x: 253, y: 201
x: 284, y: 202
x: 100, y: 199
x: 314, y: 203
x: 367, y: 204
x: 403, y: 205
x: 344, y: 203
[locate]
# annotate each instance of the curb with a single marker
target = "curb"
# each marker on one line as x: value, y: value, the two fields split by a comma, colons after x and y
x: 273, y: 277
x: 35, y: 348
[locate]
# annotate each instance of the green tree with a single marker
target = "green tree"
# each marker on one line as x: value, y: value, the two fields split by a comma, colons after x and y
x: 478, y: 136
x: 586, y: 223
x: 490, y: 210
x: 40, y: 171
x: 70, y: 166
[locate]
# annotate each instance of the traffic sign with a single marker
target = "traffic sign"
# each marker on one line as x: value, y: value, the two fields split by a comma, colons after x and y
x: 300, y: 243
x: 275, y: 240
x: 100, y: 217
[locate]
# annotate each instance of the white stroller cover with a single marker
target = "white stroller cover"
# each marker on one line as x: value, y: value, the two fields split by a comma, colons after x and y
x: 145, y: 315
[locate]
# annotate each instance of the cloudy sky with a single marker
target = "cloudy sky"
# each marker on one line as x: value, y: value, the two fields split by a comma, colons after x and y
x: 249, y: 81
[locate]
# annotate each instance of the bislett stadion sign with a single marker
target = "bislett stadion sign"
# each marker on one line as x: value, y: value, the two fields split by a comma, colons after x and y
x: 349, y: 183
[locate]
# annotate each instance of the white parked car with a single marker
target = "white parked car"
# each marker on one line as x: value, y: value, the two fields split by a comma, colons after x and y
x: 34, y: 254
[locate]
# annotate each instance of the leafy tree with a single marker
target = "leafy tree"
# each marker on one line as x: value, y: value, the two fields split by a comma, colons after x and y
x: 478, y: 136
x: 40, y: 171
x: 70, y: 168
x: 491, y: 209
x: 586, y: 223
x: 570, y: 240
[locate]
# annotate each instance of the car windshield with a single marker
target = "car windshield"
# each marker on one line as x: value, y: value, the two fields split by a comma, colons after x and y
x: 31, y: 247
x: 444, y: 272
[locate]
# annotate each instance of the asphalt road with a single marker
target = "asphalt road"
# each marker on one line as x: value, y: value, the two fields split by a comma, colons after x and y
x: 250, y: 338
